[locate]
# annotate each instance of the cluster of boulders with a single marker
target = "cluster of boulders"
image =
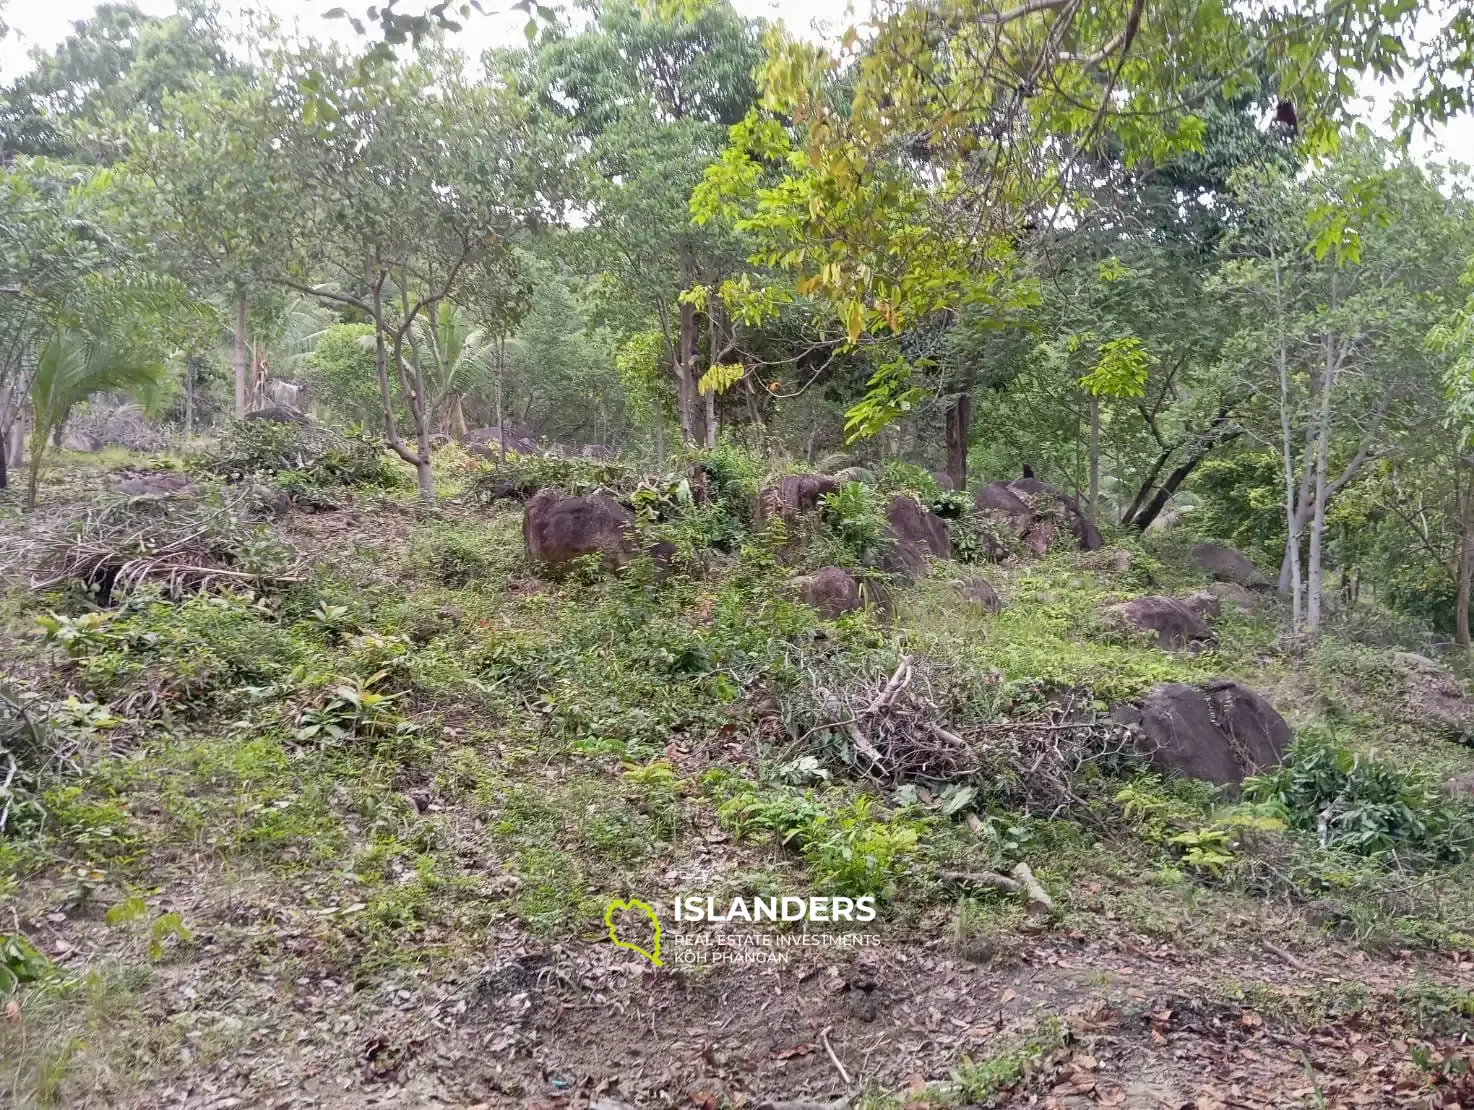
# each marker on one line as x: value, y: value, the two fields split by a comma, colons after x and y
x: 1037, y: 514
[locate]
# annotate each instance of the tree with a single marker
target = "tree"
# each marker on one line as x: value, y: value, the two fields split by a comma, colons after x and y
x: 410, y: 190
x: 652, y: 96
x: 1340, y: 277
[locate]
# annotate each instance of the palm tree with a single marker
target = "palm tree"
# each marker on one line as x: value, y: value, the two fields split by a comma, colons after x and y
x: 460, y: 359
x: 72, y: 367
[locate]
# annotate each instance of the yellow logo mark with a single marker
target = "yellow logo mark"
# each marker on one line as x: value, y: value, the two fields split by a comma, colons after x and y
x: 653, y: 954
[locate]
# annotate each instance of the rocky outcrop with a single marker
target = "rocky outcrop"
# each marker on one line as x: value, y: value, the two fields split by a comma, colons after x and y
x: 1177, y: 626
x: 795, y: 496
x: 944, y: 481
x: 282, y: 414
x: 832, y: 591
x: 486, y: 442
x: 978, y: 591
x: 998, y: 501
x: 1241, y: 598
x: 1038, y: 514
x: 1222, y: 732
x: 557, y: 529
x: 855, y: 474
x: 913, y: 523
x: 1431, y: 694
x: 1227, y: 565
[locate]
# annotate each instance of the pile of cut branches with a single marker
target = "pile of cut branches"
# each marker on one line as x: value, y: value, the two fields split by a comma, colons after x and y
x: 182, y: 545
x: 898, y: 730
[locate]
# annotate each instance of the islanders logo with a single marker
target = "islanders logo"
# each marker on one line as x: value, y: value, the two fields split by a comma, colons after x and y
x: 616, y: 907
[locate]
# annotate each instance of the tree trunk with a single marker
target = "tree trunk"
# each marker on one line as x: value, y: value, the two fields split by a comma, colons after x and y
x: 1094, y: 499
x: 711, y: 418
x: 1143, y: 490
x: 1313, y: 572
x: 501, y: 412
x: 1466, y: 554
x: 190, y: 370
x: 959, y: 432
x: 240, y: 353
x: 685, y: 355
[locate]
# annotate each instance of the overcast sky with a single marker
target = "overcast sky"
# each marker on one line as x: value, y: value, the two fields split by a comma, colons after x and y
x: 46, y: 22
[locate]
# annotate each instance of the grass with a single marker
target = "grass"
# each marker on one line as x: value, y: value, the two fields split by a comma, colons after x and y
x: 580, y: 741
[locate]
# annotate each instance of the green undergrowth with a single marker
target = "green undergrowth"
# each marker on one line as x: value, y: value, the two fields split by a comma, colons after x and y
x: 424, y: 742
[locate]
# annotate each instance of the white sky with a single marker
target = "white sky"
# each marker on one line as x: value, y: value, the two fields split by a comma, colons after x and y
x: 46, y: 22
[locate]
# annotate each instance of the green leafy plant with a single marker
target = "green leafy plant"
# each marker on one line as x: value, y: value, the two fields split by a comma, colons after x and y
x: 1362, y: 804
x: 852, y: 514
x: 77, y: 636
x: 353, y: 709
x: 20, y: 963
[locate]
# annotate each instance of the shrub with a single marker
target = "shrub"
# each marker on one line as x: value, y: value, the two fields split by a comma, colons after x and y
x: 264, y: 449
x: 1358, y: 803
x: 852, y: 515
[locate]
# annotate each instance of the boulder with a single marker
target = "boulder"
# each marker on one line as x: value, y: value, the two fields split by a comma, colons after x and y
x: 902, y: 558
x: 1044, y: 504
x: 1222, y: 733
x: 595, y: 451
x: 282, y: 414
x: 1461, y: 786
x: 855, y: 474
x: 832, y: 591
x: 978, y: 591
x: 795, y: 495
x: 485, y: 443
x: 1241, y: 598
x: 1204, y: 603
x: 997, y: 500
x: 1260, y: 737
x: 557, y: 528
x: 1176, y: 625
x: 911, y: 522
x: 159, y: 484
x: 1431, y: 693
x: 944, y: 481
x: 1227, y: 565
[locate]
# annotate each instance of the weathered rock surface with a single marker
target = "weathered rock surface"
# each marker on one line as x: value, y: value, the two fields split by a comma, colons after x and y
x: 978, y: 591
x: 912, y: 522
x: 1240, y: 597
x: 1176, y: 625
x: 1461, y: 786
x: 1432, y: 694
x: 997, y: 500
x: 855, y: 474
x: 282, y: 414
x: 1204, y: 603
x: 1223, y: 732
x: 159, y: 484
x: 557, y: 528
x: 832, y: 591
x: 795, y: 495
x: 944, y: 481
x: 1228, y: 565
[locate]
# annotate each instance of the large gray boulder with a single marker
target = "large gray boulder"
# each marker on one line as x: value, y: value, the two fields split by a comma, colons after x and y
x: 557, y: 529
x: 998, y: 501
x: 832, y: 591
x: 795, y: 496
x: 1176, y: 625
x: 1227, y: 565
x: 1223, y: 732
x: 978, y: 591
x: 913, y: 523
